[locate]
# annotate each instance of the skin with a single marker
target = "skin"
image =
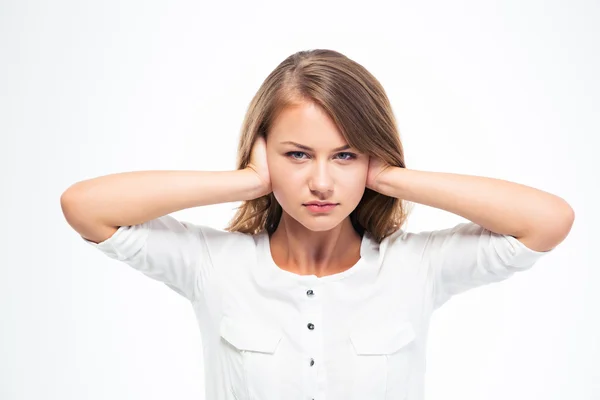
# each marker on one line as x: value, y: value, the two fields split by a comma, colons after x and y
x: 305, y: 242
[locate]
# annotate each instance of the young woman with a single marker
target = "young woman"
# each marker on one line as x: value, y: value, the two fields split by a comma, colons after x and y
x: 314, y: 291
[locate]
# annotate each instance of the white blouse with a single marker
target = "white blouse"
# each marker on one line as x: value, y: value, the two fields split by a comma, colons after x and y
x: 270, y: 334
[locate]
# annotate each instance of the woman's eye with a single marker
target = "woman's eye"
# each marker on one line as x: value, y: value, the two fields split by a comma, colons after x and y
x: 352, y: 156
x: 294, y: 152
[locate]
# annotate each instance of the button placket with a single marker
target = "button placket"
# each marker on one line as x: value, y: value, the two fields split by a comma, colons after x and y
x: 314, y: 335
x: 311, y: 293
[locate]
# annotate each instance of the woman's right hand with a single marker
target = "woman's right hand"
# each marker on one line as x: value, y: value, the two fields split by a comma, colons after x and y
x: 258, y: 163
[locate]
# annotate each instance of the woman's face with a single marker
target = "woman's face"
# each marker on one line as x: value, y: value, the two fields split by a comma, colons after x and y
x: 323, y: 170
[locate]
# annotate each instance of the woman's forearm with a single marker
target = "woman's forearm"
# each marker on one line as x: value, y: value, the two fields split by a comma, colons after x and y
x: 130, y: 198
x: 539, y: 219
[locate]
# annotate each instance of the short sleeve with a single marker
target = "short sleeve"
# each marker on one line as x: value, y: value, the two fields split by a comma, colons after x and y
x: 467, y: 256
x: 165, y: 249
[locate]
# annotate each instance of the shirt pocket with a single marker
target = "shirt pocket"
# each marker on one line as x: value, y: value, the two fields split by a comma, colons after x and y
x: 382, y: 360
x: 251, y: 358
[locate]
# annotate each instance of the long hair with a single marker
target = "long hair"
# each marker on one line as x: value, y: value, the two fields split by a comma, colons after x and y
x: 357, y: 103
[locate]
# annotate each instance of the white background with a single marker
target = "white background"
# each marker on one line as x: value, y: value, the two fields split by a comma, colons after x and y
x: 501, y: 89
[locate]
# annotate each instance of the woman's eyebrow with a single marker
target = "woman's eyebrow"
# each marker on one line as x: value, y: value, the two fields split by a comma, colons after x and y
x: 310, y: 149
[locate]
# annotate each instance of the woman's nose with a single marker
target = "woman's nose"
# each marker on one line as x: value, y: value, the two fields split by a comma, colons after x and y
x: 321, y: 179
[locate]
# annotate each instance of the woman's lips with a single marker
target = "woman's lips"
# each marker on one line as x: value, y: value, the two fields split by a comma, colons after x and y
x: 317, y: 208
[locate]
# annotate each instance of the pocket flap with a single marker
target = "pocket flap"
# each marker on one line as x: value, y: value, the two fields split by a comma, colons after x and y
x: 250, y: 335
x: 384, y: 339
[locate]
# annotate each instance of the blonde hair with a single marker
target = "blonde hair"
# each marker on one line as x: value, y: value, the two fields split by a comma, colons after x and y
x: 357, y: 103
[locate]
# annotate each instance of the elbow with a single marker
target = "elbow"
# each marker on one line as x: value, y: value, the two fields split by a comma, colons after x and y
x: 567, y: 221
x: 551, y: 231
x: 561, y: 224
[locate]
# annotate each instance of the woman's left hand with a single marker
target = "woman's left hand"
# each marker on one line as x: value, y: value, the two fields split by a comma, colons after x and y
x: 377, y: 168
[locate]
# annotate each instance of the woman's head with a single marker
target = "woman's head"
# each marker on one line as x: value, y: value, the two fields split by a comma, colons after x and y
x: 323, y: 100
